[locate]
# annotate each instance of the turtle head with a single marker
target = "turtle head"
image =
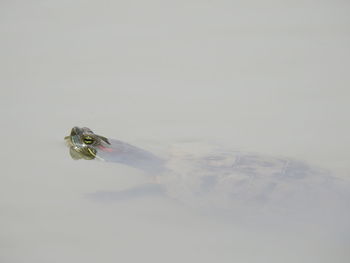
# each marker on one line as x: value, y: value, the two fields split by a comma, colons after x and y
x: 83, y: 143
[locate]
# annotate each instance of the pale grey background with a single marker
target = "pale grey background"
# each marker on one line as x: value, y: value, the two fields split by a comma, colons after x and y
x: 266, y: 76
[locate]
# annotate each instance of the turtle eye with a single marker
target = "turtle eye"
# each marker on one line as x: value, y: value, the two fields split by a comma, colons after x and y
x: 88, y: 140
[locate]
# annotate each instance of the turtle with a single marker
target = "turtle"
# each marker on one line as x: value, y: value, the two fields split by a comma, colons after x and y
x: 217, y: 179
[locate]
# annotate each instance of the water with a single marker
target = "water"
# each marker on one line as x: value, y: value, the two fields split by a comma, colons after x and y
x: 264, y: 77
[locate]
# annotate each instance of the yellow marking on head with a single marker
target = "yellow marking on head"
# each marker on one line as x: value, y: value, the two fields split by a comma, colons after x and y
x: 88, y: 140
x: 91, y: 152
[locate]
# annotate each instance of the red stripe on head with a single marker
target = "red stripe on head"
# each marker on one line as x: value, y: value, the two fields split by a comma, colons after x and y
x: 105, y: 149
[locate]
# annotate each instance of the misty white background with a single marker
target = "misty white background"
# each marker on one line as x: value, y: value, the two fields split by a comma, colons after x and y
x: 264, y: 76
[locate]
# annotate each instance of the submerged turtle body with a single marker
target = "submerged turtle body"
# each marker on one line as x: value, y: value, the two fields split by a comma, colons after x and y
x: 208, y: 177
x: 228, y: 179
